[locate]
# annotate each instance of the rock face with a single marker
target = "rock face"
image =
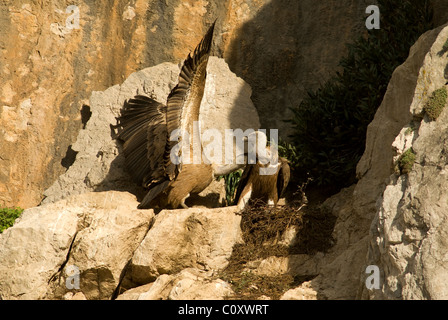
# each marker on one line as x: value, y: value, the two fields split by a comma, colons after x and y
x: 99, y: 165
x: 185, y: 239
x: 396, y: 222
x: 96, y: 233
x: 87, y: 242
x: 54, y: 56
x: 409, y: 230
x: 95, y: 245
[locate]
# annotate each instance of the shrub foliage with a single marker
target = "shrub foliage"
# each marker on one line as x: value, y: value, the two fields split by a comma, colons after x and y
x: 406, y: 161
x: 8, y: 216
x: 436, y: 103
x: 329, y: 126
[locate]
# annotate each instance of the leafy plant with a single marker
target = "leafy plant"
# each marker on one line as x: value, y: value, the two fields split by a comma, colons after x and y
x: 436, y: 103
x: 8, y: 216
x: 406, y: 161
x: 289, y: 151
x: 330, y: 124
x: 231, y: 181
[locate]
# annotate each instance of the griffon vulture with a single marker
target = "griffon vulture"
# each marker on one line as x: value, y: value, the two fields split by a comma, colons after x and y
x: 255, y: 186
x: 146, y: 127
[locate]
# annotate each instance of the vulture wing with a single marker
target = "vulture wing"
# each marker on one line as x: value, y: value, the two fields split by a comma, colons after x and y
x: 143, y: 130
x: 185, y: 99
x: 283, y: 177
x: 146, y: 125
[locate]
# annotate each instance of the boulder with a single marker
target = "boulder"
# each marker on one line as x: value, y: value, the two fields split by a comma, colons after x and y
x: 99, y: 165
x: 303, y: 292
x: 94, y: 234
x: 186, y: 238
x: 189, y: 284
x: 34, y: 250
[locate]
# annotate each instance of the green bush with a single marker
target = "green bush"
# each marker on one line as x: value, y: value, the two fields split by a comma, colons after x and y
x: 406, y: 161
x: 329, y: 126
x: 289, y: 151
x: 436, y: 103
x: 8, y: 216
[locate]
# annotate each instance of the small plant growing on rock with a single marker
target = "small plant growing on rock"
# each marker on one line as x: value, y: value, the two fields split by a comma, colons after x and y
x: 231, y: 181
x: 406, y: 161
x: 436, y: 103
x: 8, y: 216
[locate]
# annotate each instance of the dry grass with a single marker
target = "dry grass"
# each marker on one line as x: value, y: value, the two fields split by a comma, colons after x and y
x: 262, y: 229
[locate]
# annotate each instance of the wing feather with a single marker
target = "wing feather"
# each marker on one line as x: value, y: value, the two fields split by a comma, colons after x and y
x: 143, y: 131
x: 283, y: 177
x: 185, y: 99
x: 146, y: 125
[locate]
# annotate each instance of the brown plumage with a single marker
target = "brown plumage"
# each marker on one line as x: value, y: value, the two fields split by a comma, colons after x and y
x: 255, y: 188
x: 146, y: 127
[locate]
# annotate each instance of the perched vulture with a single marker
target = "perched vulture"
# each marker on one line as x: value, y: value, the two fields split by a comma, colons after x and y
x: 146, y: 128
x: 266, y: 188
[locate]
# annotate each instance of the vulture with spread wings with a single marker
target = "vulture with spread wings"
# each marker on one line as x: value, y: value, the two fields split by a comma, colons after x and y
x: 146, y: 128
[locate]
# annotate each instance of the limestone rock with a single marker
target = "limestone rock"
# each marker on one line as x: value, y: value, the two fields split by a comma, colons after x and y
x: 189, y: 284
x: 408, y: 233
x: 296, y: 265
x: 186, y: 238
x: 34, y: 249
x: 94, y: 233
x: 41, y: 109
x: 392, y: 240
x: 303, y: 292
x: 76, y: 296
x: 99, y: 164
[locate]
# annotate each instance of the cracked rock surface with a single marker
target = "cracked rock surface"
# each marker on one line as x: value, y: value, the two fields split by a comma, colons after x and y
x: 96, y: 233
x: 110, y: 244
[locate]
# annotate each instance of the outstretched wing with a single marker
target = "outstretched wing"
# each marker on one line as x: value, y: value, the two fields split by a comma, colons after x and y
x: 146, y: 125
x: 143, y: 130
x: 185, y: 99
